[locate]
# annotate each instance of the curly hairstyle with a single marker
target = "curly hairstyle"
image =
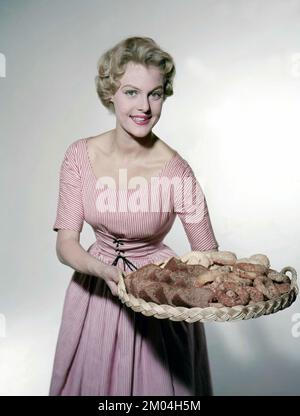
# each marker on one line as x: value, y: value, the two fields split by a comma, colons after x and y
x: 140, y: 50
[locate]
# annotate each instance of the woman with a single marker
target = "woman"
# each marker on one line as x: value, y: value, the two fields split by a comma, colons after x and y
x: 105, y: 348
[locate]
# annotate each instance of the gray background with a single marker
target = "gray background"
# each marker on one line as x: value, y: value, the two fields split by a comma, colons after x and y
x: 234, y: 116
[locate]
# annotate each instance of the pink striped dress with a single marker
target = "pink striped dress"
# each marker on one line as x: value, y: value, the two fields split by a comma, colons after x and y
x: 104, y: 347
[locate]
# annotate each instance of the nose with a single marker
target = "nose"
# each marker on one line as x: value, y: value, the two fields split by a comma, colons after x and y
x: 143, y: 104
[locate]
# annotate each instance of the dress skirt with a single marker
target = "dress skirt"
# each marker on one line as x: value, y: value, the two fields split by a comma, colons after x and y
x: 105, y: 348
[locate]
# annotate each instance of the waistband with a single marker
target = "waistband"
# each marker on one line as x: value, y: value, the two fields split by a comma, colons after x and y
x: 120, y: 255
x: 121, y: 250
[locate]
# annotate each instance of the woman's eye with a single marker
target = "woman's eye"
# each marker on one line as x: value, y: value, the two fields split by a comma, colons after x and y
x: 128, y: 92
x: 131, y: 93
x: 158, y: 94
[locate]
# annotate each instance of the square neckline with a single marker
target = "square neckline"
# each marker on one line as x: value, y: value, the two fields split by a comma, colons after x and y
x: 165, y: 165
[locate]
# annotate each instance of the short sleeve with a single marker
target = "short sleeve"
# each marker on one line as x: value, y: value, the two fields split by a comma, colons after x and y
x: 191, y: 207
x: 69, y: 215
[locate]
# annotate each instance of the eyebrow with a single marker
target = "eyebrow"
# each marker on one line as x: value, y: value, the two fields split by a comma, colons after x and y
x: 129, y: 85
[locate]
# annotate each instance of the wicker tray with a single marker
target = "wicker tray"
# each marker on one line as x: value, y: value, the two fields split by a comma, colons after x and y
x: 190, y: 315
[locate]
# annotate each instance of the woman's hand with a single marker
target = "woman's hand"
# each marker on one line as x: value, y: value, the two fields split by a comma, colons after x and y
x: 112, y: 277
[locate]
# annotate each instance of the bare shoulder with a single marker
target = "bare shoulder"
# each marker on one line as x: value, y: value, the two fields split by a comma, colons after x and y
x: 99, y: 144
x: 164, y: 150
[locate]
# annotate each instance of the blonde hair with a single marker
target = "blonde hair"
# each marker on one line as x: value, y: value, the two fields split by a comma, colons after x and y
x: 140, y: 50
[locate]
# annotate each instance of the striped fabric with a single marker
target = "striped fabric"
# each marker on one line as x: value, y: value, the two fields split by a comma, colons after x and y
x: 103, y: 347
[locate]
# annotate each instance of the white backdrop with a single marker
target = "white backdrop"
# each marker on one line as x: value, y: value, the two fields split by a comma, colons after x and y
x: 234, y: 116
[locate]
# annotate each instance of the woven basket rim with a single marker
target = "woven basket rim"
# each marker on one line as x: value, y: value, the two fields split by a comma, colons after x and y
x: 210, y: 313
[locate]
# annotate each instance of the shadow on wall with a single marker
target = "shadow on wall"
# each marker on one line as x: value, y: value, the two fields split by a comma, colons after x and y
x: 255, y: 357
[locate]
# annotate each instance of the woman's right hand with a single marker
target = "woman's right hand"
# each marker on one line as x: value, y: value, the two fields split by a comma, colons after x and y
x: 112, y: 277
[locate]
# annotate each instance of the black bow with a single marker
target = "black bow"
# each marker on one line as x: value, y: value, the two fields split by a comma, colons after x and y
x: 130, y: 265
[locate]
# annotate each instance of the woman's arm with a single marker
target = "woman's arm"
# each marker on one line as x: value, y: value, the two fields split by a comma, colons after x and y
x: 191, y: 207
x: 71, y: 253
x: 69, y: 222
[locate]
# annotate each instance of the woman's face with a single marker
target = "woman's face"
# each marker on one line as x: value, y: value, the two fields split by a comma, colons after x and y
x: 138, y: 101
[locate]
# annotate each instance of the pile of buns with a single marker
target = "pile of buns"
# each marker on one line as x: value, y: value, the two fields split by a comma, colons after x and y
x: 209, y: 278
